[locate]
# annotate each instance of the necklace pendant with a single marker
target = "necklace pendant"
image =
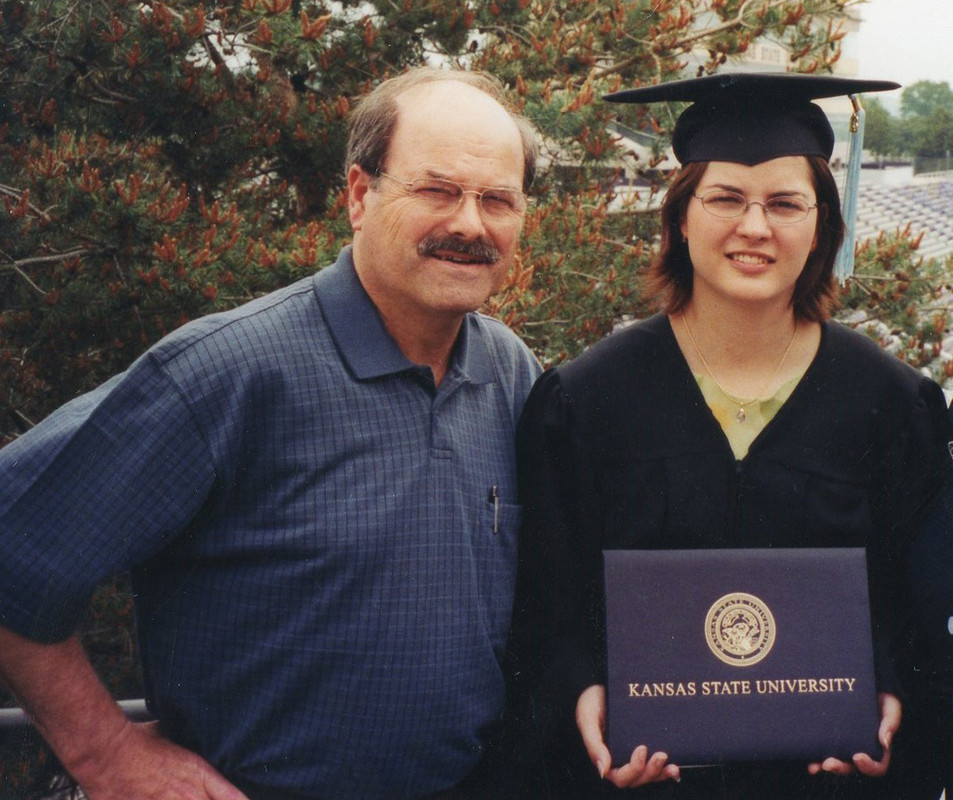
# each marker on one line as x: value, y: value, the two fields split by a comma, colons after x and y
x: 740, y: 415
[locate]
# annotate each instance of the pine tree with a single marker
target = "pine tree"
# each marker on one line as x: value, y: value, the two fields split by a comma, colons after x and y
x: 161, y: 160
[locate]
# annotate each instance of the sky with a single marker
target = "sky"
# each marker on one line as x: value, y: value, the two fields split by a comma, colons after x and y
x: 906, y: 40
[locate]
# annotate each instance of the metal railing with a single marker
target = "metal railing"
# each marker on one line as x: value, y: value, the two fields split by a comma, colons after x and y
x: 13, y: 718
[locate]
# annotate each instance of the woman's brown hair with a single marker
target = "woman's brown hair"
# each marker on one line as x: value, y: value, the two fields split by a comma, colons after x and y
x: 815, y: 292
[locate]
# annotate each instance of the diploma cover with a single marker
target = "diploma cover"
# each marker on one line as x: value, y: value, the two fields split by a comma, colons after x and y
x: 717, y: 656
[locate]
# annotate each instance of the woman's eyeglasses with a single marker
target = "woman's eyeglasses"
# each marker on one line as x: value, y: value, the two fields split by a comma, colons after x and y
x: 442, y: 197
x: 782, y: 210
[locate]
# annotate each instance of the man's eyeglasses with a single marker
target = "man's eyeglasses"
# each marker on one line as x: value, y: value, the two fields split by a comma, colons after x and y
x: 782, y: 210
x: 442, y: 197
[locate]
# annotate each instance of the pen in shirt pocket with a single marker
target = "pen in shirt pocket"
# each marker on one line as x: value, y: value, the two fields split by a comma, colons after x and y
x: 494, y: 497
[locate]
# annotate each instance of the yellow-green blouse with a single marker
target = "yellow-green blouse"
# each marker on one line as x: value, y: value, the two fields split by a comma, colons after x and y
x: 758, y: 413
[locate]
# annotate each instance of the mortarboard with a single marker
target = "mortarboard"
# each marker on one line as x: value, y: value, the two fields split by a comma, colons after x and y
x: 753, y: 117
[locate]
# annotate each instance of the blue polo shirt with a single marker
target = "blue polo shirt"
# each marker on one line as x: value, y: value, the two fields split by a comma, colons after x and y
x: 322, y: 542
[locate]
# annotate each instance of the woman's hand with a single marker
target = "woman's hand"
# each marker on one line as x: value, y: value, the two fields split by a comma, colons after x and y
x: 591, y: 719
x: 890, y: 714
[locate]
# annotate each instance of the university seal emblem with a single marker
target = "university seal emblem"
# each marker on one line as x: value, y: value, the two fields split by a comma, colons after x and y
x: 740, y: 629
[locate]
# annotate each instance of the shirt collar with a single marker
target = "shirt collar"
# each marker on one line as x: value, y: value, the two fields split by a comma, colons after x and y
x: 363, y: 341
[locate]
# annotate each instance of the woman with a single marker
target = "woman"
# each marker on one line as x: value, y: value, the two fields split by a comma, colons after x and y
x: 740, y: 416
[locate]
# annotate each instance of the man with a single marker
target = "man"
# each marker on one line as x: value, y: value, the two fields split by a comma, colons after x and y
x: 315, y: 493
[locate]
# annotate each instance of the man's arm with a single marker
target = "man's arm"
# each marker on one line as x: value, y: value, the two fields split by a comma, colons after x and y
x: 110, y: 757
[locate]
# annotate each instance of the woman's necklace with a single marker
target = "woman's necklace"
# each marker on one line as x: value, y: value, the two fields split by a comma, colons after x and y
x: 740, y: 415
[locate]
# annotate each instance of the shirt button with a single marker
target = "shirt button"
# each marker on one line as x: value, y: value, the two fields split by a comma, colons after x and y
x: 949, y: 625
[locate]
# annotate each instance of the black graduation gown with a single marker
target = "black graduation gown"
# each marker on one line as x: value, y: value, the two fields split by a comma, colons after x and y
x: 618, y: 449
x: 931, y: 576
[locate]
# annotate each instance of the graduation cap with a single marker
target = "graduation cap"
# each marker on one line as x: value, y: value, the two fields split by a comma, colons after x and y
x: 753, y: 117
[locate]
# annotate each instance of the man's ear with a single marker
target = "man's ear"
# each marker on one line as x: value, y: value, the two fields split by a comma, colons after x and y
x: 358, y: 185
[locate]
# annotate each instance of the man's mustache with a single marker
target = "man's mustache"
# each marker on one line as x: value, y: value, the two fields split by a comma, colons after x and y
x: 478, y: 249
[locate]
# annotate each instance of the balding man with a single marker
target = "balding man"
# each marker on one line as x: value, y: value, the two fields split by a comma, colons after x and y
x: 315, y: 493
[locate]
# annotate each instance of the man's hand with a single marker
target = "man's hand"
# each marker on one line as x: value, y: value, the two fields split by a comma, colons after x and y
x: 590, y: 719
x: 110, y: 757
x: 142, y: 764
x: 890, y: 715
